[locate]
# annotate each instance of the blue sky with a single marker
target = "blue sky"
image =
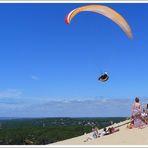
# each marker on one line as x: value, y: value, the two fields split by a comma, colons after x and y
x: 50, y: 69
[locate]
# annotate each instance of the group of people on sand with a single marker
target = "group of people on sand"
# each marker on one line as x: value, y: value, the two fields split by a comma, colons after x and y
x: 96, y: 133
x: 139, y: 119
x: 139, y: 116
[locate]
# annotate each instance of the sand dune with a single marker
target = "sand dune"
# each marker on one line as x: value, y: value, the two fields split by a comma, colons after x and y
x: 124, y: 137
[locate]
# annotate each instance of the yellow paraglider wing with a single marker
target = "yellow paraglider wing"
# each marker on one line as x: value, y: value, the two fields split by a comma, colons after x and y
x: 106, y: 11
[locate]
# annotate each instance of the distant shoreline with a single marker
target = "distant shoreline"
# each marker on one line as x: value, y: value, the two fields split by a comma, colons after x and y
x: 59, y: 117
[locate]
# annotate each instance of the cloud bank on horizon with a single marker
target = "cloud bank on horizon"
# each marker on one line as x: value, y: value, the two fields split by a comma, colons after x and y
x: 67, y: 107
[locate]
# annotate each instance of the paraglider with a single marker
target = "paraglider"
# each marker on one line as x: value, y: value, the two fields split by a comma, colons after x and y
x: 107, y: 12
x: 104, y: 77
x: 104, y: 10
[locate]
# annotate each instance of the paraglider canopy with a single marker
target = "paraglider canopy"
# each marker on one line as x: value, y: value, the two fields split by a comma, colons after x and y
x: 103, y: 10
x: 104, y: 77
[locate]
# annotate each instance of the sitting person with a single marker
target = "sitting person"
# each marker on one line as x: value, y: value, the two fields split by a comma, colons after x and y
x: 112, y: 130
x: 104, y: 132
x: 93, y: 135
x: 146, y: 109
x: 130, y: 125
x: 144, y: 116
x: 96, y: 134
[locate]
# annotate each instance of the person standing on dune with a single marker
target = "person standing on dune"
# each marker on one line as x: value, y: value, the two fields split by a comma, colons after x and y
x: 136, y: 114
x: 136, y: 108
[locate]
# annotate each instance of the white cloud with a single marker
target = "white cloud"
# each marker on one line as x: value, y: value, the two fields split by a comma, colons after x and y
x: 10, y: 93
x: 99, y: 107
x: 34, y: 77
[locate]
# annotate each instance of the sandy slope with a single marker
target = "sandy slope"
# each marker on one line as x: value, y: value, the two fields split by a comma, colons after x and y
x: 123, y: 137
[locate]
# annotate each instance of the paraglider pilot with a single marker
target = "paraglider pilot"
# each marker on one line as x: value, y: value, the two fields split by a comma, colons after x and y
x: 104, y: 77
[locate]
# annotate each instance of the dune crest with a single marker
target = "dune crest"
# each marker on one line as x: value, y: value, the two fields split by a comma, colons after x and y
x: 125, y: 136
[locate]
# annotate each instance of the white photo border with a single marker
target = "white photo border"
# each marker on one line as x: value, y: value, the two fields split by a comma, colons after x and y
x: 71, y: 1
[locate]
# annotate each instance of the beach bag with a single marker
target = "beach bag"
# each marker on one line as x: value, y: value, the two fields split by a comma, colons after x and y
x: 130, y: 126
